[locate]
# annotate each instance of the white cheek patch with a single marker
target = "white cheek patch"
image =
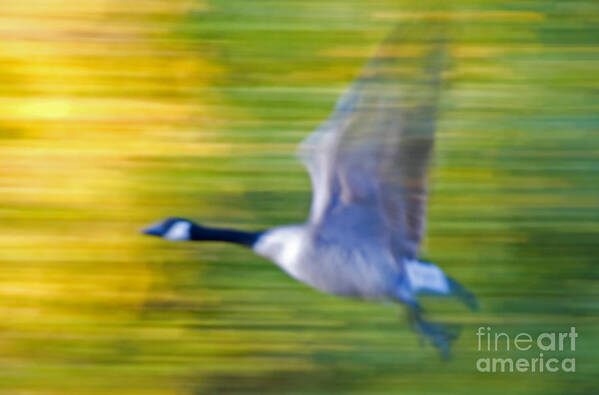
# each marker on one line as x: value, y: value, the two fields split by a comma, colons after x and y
x: 179, y: 231
x: 426, y: 277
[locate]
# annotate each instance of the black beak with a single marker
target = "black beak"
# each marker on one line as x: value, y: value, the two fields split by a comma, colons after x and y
x: 154, y: 230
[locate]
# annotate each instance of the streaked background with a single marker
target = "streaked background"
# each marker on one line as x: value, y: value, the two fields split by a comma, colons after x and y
x: 114, y: 114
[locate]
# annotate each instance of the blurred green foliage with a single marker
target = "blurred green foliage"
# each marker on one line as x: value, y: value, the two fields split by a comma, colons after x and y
x: 114, y: 115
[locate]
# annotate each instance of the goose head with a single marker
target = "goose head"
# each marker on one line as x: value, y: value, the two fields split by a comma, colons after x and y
x: 173, y: 229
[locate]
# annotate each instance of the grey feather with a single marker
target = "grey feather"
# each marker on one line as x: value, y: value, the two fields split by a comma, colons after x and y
x: 375, y: 147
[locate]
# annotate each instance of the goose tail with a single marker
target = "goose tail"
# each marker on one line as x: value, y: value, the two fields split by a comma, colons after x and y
x: 428, y: 278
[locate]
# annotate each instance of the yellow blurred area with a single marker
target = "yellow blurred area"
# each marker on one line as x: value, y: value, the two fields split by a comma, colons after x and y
x: 77, y: 93
x: 74, y: 91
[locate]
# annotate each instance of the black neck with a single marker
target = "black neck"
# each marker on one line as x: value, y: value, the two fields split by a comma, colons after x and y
x: 202, y: 233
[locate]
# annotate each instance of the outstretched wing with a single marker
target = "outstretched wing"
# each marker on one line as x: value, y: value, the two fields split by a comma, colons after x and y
x: 375, y: 147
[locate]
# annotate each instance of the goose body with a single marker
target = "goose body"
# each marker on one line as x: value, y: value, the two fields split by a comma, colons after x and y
x: 368, y: 165
x: 346, y: 256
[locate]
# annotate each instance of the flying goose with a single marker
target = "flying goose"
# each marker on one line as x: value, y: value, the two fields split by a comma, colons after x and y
x: 367, y: 164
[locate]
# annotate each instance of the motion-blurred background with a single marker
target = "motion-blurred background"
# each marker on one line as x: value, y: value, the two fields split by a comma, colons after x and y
x: 114, y: 114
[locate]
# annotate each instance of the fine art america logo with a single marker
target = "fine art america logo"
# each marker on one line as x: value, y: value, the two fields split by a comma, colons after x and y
x: 546, y: 342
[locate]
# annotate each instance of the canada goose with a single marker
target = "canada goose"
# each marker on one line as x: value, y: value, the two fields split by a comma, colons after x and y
x: 368, y: 165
